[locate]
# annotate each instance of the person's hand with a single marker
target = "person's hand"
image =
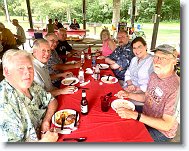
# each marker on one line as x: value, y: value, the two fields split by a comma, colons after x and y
x: 126, y: 113
x: 68, y: 90
x: 45, y: 126
x: 49, y: 136
x: 122, y: 94
x: 130, y: 88
x: 67, y: 74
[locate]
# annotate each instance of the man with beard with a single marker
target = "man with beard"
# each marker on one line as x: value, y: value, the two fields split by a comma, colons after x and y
x: 160, y: 99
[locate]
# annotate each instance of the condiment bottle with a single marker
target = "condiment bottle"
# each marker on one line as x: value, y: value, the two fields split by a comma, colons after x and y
x: 81, y: 75
x: 84, y: 103
x: 97, y: 73
x: 82, y: 57
x: 89, y: 50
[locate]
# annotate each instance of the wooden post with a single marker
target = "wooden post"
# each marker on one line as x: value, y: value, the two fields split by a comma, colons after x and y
x: 156, y: 23
x: 29, y: 13
x: 133, y: 13
x: 84, y: 14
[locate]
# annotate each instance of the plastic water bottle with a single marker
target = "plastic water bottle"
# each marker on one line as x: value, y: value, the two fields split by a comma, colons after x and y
x: 81, y: 75
x: 93, y: 60
x: 82, y: 57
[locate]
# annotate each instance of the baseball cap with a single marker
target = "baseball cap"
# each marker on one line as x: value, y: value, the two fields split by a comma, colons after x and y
x: 166, y: 49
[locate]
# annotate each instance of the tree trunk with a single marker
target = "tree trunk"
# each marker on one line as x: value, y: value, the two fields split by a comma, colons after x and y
x: 6, y: 11
x: 116, y: 12
x: 68, y: 12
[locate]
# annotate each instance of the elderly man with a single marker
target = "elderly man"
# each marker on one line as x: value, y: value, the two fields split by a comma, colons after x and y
x: 160, y: 99
x: 120, y: 59
x: 20, y: 34
x: 63, y: 46
x: 41, y: 53
x: 26, y: 108
x: 7, y: 38
x: 55, y: 64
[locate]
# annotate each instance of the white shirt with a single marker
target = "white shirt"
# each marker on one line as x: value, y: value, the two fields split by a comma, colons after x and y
x: 41, y: 75
x: 139, y: 73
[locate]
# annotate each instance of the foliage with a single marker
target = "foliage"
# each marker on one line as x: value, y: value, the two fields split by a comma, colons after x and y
x: 97, y: 10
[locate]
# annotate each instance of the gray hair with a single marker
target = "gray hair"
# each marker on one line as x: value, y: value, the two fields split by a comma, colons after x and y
x: 9, y: 55
x: 37, y: 42
x: 49, y: 35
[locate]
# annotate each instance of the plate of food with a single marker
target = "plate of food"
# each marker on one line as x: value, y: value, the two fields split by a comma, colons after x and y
x: 68, y: 114
x: 71, y: 80
x: 103, y: 66
x: 109, y: 79
x: 118, y: 103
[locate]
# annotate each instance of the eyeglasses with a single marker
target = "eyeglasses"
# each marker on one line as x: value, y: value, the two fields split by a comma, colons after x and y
x: 53, y: 41
x: 121, y: 37
x: 161, y: 59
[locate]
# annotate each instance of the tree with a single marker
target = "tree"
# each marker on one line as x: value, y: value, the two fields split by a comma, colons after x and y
x: 116, y: 12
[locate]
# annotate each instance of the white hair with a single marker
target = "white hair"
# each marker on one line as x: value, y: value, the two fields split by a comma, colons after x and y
x: 9, y: 55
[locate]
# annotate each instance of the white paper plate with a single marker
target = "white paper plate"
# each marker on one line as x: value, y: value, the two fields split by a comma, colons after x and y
x: 67, y: 81
x: 122, y: 103
x: 111, y: 80
x: 67, y: 112
x: 103, y: 66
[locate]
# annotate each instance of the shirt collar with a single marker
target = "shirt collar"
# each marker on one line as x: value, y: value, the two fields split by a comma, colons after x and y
x: 39, y: 63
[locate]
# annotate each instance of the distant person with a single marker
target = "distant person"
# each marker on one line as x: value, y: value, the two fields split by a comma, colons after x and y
x: 57, y: 24
x: 74, y: 25
x: 108, y: 45
x: 20, y: 34
x: 50, y: 26
x: 42, y: 53
x: 8, y: 40
x: 120, y: 59
x: 26, y: 108
x: 140, y: 68
x: 64, y: 49
x: 160, y: 99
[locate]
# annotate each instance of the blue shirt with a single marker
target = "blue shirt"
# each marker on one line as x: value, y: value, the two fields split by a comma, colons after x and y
x: 122, y: 55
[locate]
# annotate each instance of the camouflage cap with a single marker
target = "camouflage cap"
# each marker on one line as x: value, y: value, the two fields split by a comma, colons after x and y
x: 166, y: 49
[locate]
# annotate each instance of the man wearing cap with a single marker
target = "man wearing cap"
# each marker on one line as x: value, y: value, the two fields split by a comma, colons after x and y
x: 160, y: 99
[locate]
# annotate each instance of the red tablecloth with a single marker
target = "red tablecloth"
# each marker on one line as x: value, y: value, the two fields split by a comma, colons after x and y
x: 100, y: 126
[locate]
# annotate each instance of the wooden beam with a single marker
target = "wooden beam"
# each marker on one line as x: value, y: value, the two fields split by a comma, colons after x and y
x: 84, y: 14
x: 133, y: 13
x: 156, y: 23
x: 29, y: 13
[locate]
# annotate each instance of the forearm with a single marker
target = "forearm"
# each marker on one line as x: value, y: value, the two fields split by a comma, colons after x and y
x: 109, y: 61
x: 158, y: 123
x: 52, y: 107
x: 137, y: 96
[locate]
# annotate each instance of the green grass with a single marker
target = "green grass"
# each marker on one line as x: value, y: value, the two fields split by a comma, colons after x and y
x: 169, y: 32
